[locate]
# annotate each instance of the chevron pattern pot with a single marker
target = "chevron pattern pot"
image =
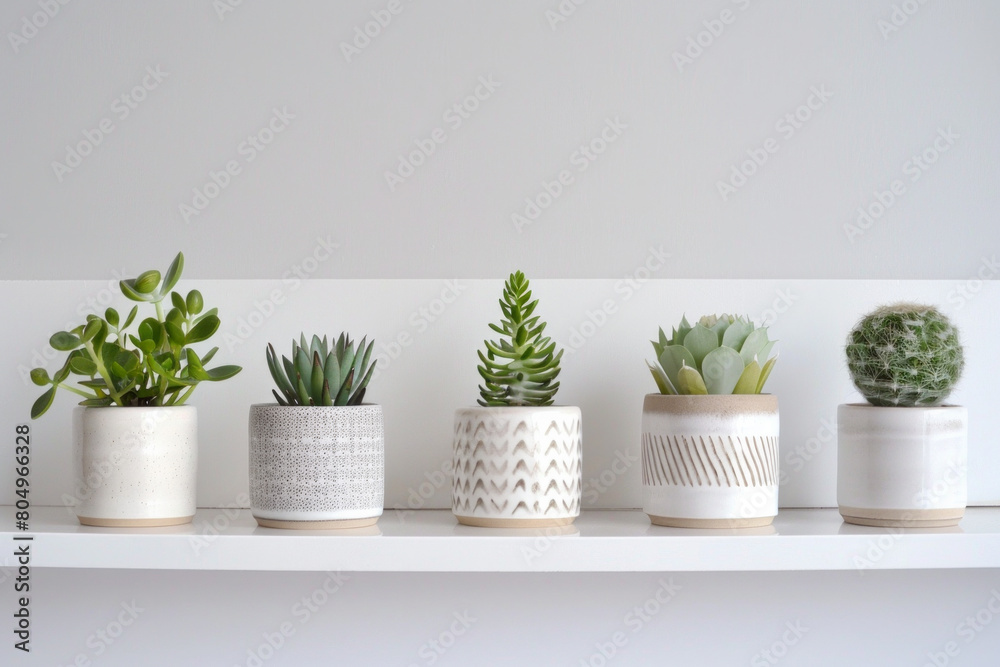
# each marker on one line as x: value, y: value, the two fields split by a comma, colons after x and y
x: 710, y: 461
x: 518, y: 467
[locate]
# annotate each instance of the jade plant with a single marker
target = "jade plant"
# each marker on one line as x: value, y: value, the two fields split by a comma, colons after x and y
x: 520, y: 369
x: 152, y: 365
x: 905, y: 355
x: 720, y: 354
x: 320, y: 376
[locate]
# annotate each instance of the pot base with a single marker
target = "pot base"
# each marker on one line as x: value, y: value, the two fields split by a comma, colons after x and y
x: 491, y: 522
x: 134, y: 523
x: 938, y: 518
x: 333, y: 524
x: 676, y: 522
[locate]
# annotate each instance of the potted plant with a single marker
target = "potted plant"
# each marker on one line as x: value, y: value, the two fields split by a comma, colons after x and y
x: 710, y: 437
x: 135, y: 439
x: 901, y: 458
x: 317, y: 456
x: 518, y: 458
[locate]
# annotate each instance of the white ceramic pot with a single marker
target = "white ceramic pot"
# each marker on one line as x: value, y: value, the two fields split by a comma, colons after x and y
x: 135, y: 466
x: 316, y: 467
x: 902, y: 467
x: 518, y: 467
x: 710, y: 461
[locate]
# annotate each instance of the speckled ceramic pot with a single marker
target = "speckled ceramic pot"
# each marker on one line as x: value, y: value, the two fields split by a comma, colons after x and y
x: 710, y: 461
x: 517, y: 467
x: 902, y: 467
x: 135, y: 466
x: 316, y: 467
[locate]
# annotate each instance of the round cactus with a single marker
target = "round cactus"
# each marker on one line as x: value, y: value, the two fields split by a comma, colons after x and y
x: 905, y: 355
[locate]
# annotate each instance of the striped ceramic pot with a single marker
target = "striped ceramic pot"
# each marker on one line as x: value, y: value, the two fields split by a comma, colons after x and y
x: 710, y: 461
x: 517, y: 467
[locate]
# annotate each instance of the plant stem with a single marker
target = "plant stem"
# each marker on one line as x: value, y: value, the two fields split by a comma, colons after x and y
x: 115, y: 396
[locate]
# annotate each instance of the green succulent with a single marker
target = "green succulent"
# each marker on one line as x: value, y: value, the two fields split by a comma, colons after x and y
x: 522, y: 367
x: 722, y: 354
x: 318, y: 375
x: 159, y: 368
x: 905, y: 355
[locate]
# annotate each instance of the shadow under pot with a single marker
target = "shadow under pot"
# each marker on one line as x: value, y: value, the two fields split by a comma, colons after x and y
x: 902, y: 467
x: 517, y: 467
x: 135, y: 466
x: 710, y: 461
x: 317, y: 467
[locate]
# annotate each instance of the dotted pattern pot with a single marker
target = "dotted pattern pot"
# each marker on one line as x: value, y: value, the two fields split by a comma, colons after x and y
x: 135, y: 466
x: 518, y: 467
x: 710, y: 461
x: 902, y: 467
x: 317, y: 467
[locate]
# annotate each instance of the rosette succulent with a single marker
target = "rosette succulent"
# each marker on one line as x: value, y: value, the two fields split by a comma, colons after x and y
x: 520, y: 368
x: 720, y: 354
x: 154, y: 366
x: 905, y: 355
x: 317, y: 374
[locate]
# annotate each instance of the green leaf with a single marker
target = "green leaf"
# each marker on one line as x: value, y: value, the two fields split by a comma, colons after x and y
x: 700, y: 341
x: 689, y: 381
x: 83, y: 366
x: 736, y: 334
x: 146, y: 282
x: 111, y: 315
x: 748, y: 380
x: 129, y: 290
x: 173, y: 274
x: 661, y: 379
x: 675, y: 357
x: 97, y: 402
x: 721, y: 370
x: 179, y: 303
x: 317, y: 378
x: 207, y: 357
x: 174, y: 333
x: 333, y: 372
x: 92, y: 329
x: 43, y: 403
x: 203, y: 330
x: 131, y: 316
x: 222, y: 372
x: 754, y: 343
x: 64, y: 342
x: 194, y: 366
x: 40, y: 376
x: 765, y: 373
x: 195, y: 302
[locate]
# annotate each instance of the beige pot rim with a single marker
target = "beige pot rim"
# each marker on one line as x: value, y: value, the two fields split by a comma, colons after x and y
x: 710, y: 403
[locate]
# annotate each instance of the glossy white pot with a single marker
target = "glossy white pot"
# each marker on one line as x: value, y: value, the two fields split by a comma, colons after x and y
x: 135, y: 466
x: 517, y: 467
x: 316, y: 467
x: 710, y: 461
x: 902, y: 467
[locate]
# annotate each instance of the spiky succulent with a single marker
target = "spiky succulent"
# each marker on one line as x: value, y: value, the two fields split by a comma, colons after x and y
x: 905, y: 355
x: 522, y: 367
x: 318, y: 375
x: 722, y: 354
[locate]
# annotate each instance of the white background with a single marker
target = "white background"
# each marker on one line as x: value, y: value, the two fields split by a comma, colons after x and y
x: 891, y: 94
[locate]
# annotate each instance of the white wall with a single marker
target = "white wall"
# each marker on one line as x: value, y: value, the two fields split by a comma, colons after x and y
x: 888, y: 96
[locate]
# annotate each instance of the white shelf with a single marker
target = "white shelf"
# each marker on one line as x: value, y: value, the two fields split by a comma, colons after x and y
x: 431, y: 541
